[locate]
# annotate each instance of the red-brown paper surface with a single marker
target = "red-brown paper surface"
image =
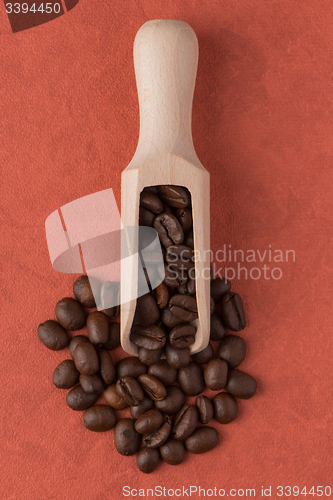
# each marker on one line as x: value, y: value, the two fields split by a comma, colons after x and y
x: 262, y: 126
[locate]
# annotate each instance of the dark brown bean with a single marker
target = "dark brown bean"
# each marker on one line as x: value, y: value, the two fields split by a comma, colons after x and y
x: 175, y: 196
x: 146, y: 217
x: 130, y: 390
x: 130, y: 367
x: 177, y: 358
x: 164, y: 372
x: 147, y: 312
x: 79, y: 400
x: 151, y: 202
x: 232, y: 349
x: 205, y: 409
x: 152, y: 386
x: 114, y: 337
x: 215, y: 374
x: 92, y: 384
x: 150, y: 337
x: 161, y: 294
x: 149, y: 357
x: 204, y: 356
x: 191, y: 380
x: 184, y: 307
x: 218, y: 287
x: 107, y: 368
x: 185, y: 422
x: 126, y: 440
x: 187, y: 288
x: 113, y: 399
x: 149, y: 421
x: 169, y: 319
x: 147, y: 459
x: 240, y: 384
x: 172, y: 452
x: 145, y: 405
x: 70, y: 314
x: 99, y: 418
x: 53, y: 335
x: 173, y: 401
x: 217, y: 328
x: 168, y: 229
x: 83, y: 292
x: 97, y: 327
x: 232, y: 312
x: 158, y: 437
x: 225, y: 407
x: 110, y: 295
x: 75, y: 341
x: 185, y: 218
x: 65, y: 375
x: 188, y: 239
x: 182, y: 336
x: 203, y: 439
x: 174, y: 277
x: 86, y: 359
x: 180, y: 257
x: 211, y: 305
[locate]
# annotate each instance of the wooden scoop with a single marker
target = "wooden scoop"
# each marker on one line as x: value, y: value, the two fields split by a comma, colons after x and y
x: 165, y: 60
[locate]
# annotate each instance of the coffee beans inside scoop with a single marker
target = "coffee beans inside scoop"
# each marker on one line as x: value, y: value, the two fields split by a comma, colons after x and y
x: 163, y: 424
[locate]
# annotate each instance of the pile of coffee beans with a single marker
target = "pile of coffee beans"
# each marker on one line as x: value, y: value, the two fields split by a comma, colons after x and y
x: 162, y: 423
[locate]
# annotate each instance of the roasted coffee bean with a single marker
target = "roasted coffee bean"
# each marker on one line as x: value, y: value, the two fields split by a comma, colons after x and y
x: 169, y: 319
x: 168, y: 229
x: 92, y: 384
x: 130, y: 367
x: 65, y: 374
x: 99, y: 418
x: 147, y: 459
x: 232, y: 349
x: 151, y: 202
x: 187, y: 288
x: 149, y: 357
x: 113, y: 399
x: 97, y: 328
x: 179, y: 256
x: 240, y: 384
x: 211, y: 305
x: 164, y: 372
x: 205, y: 409
x: 150, y: 189
x: 147, y: 311
x: 215, y: 374
x: 172, y: 452
x: 161, y: 294
x: 203, y: 439
x: 185, y: 422
x: 149, y: 422
x: 145, y: 405
x: 150, y: 337
x: 177, y: 358
x: 106, y: 366
x: 126, y: 440
x: 175, y: 196
x: 188, y: 239
x: 184, y: 307
x: 158, y: 437
x: 218, y: 287
x: 225, y: 407
x: 86, y: 359
x: 185, y: 218
x: 152, y: 386
x: 70, y: 314
x: 113, y: 337
x: 204, y: 356
x: 83, y: 292
x: 53, y: 335
x: 191, y: 380
x: 174, y: 277
x: 109, y: 294
x: 79, y: 400
x: 173, y: 401
x: 146, y: 217
x: 130, y: 390
x: 232, y: 312
x: 75, y: 341
x: 217, y: 328
x: 182, y: 336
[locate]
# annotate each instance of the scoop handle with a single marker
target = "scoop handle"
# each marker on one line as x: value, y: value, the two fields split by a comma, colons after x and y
x: 165, y: 61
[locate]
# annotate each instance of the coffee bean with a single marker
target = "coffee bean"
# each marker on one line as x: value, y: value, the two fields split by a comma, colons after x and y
x: 158, y: 437
x: 97, y: 328
x: 217, y: 328
x: 92, y: 384
x: 130, y: 390
x: 151, y: 202
x: 99, y: 418
x: 126, y: 440
x: 225, y: 407
x: 83, y: 292
x: 204, y: 356
x: 188, y: 239
x: 240, y: 384
x: 173, y: 401
x: 113, y: 399
x: 232, y: 312
x: 191, y: 380
x: 110, y: 291
x: 177, y: 358
x: 113, y: 337
x: 232, y: 349
x: 211, y: 305
x: 164, y: 372
x: 174, y: 277
x: 215, y: 374
x: 75, y: 341
x: 185, y: 422
x: 169, y: 319
x: 86, y: 359
x: 179, y: 257
x: 205, y: 409
x: 172, y: 452
x: 168, y: 229
x: 147, y: 311
x: 150, y: 189
x: 185, y: 218
x: 187, y: 288
x: 149, y: 357
x: 147, y: 459
x: 79, y: 400
x: 70, y: 314
x: 182, y: 336
x: 145, y: 405
x: 146, y: 217
x: 202, y: 440
x: 130, y: 367
x: 152, y: 386
x: 184, y: 307
x: 150, y: 337
x: 175, y: 196
x: 106, y: 366
x: 149, y: 421
x: 218, y: 287
x: 53, y: 335
x: 65, y: 375
x: 161, y: 295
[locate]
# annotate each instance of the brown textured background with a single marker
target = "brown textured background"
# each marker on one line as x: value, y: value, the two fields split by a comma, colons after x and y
x: 262, y: 126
